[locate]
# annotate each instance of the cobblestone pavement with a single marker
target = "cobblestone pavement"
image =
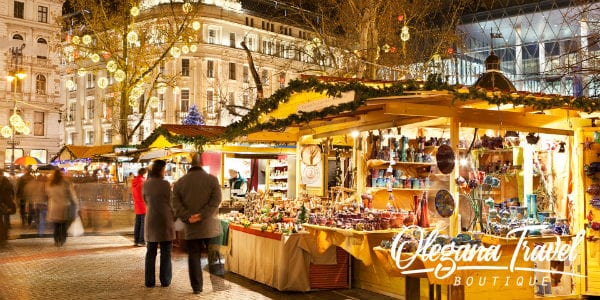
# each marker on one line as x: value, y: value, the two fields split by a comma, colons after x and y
x: 107, y: 266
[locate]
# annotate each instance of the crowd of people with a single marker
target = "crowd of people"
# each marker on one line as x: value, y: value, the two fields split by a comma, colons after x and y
x: 38, y: 199
x: 194, y: 199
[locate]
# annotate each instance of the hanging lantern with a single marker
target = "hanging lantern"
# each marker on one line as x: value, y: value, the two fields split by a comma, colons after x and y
x: 404, y: 35
x: 76, y: 40
x: 6, y: 131
x: 134, y: 11
x: 95, y: 57
x: 175, y: 52
x: 81, y: 72
x: 400, y: 18
x: 132, y: 37
x: 187, y: 7
x: 102, y: 82
x: 185, y: 49
x: 70, y: 84
x: 87, y: 39
x: 111, y: 66
x: 153, y: 102
x: 196, y: 25
x: 106, y: 55
x: 119, y: 75
x: 193, y: 48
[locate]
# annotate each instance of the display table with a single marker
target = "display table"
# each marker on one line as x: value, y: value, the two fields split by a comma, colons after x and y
x: 280, y: 261
x: 359, y: 244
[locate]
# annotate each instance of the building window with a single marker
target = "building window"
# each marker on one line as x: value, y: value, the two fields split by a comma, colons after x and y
x: 231, y: 98
x: 212, y: 36
x: 38, y: 123
x: 90, y: 82
x: 42, y: 51
x: 19, y: 11
x: 89, y: 137
x: 90, y: 109
x: 185, y: 67
x: 40, y: 84
x: 232, y: 71
x: 210, y: 102
x: 72, y: 111
x: 72, y: 138
x: 41, y: 154
x: 141, y: 103
x: 281, y: 80
x: 161, y: 102
x: 43, y: 14
x: 246, y: 74
x: 210, y: 69
x: 246, y: 99
x: 108, y: 133
x: 185, y: 100
x: 232, y: 40
x: 264, y: 78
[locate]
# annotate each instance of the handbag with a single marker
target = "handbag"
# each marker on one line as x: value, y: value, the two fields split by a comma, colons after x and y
x: 72, y: 207
x: 76, y: 227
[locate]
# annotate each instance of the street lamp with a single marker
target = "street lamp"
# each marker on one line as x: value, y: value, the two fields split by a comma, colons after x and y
x: 17, y: 125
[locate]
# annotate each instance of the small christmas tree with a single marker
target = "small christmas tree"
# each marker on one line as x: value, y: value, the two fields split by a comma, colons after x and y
x: 194, y: 117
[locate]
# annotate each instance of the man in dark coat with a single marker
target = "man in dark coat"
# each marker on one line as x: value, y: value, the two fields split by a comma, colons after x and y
x: 7, y: 207
x: 196, y: 199
x: 25, y: 206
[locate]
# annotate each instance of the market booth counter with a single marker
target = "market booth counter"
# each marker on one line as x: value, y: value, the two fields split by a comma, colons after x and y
x: 287, y: 262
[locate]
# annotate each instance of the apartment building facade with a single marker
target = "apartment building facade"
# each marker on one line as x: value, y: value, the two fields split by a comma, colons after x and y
x: 27, y: 31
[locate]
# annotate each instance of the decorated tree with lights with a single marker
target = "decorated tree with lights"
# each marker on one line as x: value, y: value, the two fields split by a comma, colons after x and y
x: 125, y: 45
x: 364, y: 38
x: 193, y: 117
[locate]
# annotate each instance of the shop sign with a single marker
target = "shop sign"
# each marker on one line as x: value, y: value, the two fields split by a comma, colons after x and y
x: 452, y: 262
x: 320, y: 104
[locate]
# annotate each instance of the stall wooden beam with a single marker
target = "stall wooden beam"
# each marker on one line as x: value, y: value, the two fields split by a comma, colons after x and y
x: 541, y: 122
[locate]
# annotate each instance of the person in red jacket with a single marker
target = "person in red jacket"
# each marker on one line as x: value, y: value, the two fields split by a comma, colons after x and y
x: 139, y: 207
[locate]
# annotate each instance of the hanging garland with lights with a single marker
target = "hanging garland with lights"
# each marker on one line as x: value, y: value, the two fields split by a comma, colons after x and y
x: 251, y: 122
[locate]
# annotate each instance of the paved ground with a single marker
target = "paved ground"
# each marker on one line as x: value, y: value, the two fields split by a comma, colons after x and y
x: 103, y: 264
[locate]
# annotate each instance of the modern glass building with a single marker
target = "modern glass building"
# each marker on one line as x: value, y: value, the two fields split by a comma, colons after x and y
x: 549, y: 46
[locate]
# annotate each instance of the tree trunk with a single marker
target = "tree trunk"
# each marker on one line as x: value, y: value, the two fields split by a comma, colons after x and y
x: 255, y: 76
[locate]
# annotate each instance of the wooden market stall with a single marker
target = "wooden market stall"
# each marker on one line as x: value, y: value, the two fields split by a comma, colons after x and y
x: 521, y: 150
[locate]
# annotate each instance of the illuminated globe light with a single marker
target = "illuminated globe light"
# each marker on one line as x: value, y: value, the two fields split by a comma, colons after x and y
x: 193, y: 48
x: 196, y: 25
x: 161, y: 88
x: 137, y: 91
x: 95, y: 57
x: 76, y: 40
x: 87, y: 39
x: 153, y: 102
x: 404, y: 35
x: 102, y: 82
x: 386, y: 48
x: 134, y: 11
x: 185, y: 49
x: 175, y: 52
x: 15, y: 119
x: 132, y: 37
x: 70, y: 84
x: 111, y: 66
x: 21, y: 127
x: 26, y: 130
x: 6, y: 131
x: 187, y: 7
x: 81, y: 72
x: 133, y: 102
x: 119, y: 75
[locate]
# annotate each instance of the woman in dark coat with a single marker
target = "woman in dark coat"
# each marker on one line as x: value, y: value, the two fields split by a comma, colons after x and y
x: 159, y: 228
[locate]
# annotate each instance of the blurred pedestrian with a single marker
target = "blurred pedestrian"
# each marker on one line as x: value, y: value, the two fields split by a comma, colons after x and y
x: 7, y: 207
x: 139, y: 207
x: 36, y: 194
x: 159, y: 225
x: 25, y: 207
x: 196, y: 199
x: 62, y: 202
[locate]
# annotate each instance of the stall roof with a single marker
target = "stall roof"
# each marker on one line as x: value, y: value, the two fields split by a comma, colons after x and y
x: 72, y: 152
x: 180, y: 134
